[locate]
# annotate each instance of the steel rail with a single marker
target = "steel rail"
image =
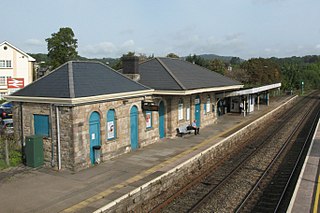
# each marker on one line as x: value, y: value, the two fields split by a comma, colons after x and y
x: 272, y: 163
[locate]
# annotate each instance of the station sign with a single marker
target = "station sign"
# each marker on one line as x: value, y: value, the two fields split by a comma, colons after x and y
x: 15, y: 83
x: 149, y: 106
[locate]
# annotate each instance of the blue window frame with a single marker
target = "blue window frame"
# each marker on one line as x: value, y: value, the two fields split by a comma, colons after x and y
x: 41, y: 125
x: 148, y: 119
x: 111, y: 125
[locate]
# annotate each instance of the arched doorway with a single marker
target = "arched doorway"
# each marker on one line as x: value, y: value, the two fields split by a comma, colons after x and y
x: 134, y: 128
x: 94, y: 132
x: 197, y: 110
x: 162, y: 133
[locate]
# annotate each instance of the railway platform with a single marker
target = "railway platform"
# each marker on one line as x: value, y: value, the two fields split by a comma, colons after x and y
x: 307, y: 191
x: 45, y: 190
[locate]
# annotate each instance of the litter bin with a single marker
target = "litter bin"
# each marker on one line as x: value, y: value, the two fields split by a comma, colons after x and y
x: 97, y: 154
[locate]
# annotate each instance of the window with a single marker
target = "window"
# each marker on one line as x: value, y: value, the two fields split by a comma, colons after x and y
x: 8, y: 63
x: 188, y: 113
x: 5, y: 63
x: 180, y: 110
x: 41, y: 125
x: 148, y: 119
x: 208, y: 103
x: 2, y: 63
x: 111, y: 125
x: 2, y: 80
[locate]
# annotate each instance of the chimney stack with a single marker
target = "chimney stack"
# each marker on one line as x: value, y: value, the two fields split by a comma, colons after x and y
x: 131, y: 67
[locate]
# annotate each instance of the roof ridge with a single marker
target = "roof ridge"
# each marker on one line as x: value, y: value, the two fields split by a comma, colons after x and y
x: 71, y: 80
x: 171, y: 74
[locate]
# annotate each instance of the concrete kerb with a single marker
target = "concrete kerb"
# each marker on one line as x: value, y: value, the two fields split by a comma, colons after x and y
x: 128, y: 201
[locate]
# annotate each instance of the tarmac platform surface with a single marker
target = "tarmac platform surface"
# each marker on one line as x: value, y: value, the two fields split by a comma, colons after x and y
x: 24, y: 189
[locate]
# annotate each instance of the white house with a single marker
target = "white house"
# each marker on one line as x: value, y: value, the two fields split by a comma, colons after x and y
x: 16, y: 67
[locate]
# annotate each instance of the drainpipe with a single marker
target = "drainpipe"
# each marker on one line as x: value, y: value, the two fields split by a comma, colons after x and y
x: 22, y: 136
x: 52, y: 141
x: 58, y: 137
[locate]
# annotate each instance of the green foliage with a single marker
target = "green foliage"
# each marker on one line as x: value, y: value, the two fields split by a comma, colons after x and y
x: 14, y: 148
x: 197, y: 60
x: 172, y: 55
x: 62, y: 47
x: 297, y: 69
x: 261, y: 71
x: 217, y: 66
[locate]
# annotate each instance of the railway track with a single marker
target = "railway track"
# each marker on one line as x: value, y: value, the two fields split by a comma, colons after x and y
x: 224, y: 189
x: 276, y: 194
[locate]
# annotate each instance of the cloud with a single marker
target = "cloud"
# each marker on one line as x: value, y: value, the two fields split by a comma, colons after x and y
x: 35, y: 42
x: 107, y: 49
x: 318, y: 46
x: 228, y: 44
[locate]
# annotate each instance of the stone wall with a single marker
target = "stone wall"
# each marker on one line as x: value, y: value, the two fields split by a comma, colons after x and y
x: 28, y: 112
x: 121, y: 143
x: 74, y: 126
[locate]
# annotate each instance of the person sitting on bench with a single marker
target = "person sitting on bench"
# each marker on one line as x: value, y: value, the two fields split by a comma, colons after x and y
x: 194, y: 127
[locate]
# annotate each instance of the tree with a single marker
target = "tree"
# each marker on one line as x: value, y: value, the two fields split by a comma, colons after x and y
x: 172, y: 55
x: 197, y: 60
x: 217, y: 65
x: 62, y: 47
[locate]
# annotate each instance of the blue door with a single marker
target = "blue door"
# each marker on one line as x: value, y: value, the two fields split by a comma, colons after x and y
x: 94, y: 132
x: 197, y: 110
x: 162, y: 133
x: 134, y: 127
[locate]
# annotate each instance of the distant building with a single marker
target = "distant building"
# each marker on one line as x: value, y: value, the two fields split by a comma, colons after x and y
x: 16, y: 68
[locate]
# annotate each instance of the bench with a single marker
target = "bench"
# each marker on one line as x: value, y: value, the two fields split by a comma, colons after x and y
x: 184, y: 129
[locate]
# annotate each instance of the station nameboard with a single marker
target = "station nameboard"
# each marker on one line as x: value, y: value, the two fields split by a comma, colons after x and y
x: 149, y: 106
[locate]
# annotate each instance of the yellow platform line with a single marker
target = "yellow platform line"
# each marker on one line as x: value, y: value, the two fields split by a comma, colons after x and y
x: 316, y: 199
x: 143, y: 174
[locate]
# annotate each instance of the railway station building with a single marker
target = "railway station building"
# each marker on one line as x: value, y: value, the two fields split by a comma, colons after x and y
x: 88, y: 112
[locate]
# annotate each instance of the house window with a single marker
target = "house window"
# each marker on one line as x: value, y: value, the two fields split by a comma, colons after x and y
x: 5, y: 63
x: 188, y: 113
x: 148, y: 119
x: 180, y: 110
x: 8, y: 63
x: 41, y: 125
x: 208, y: 103
x: 205, y: 108
x: 111, y: 125
x: 2, y: 80
x: 2, y: 63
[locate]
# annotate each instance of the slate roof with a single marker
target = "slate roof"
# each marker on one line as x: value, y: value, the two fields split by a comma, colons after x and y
x: 76, y: 79
x: 176, y: 74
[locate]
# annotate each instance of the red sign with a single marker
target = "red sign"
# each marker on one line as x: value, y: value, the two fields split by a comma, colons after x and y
x: 14, y: 83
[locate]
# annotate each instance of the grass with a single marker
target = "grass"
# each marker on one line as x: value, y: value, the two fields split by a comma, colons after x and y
x: 15, y: 160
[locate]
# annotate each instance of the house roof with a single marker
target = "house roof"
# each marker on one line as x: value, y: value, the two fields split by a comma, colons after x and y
x: 79, y: 79
x: 17, y: 49
x: 176, y: 74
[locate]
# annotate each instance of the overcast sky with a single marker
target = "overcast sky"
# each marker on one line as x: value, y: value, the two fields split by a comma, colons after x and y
x: 110, y: 28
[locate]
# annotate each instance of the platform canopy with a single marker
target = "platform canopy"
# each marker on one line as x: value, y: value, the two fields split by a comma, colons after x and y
x: 253, y: 90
